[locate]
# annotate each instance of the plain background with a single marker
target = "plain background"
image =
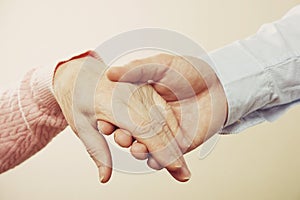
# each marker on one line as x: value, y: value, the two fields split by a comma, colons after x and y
x: 262, y: 162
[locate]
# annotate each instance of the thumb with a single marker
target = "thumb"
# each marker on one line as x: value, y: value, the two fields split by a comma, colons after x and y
x: 137, y: 74
x: 171, y: 82
x: 158, y: 75
x: 98, y: 149
x: 141, y: 70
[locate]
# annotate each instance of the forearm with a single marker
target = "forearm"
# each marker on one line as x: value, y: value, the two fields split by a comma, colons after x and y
x: 29, y: 118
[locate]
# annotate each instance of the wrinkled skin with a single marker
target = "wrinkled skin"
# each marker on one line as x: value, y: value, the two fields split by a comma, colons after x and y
x: 91, y: 113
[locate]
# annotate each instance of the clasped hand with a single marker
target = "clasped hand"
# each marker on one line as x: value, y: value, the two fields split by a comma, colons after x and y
x: 160, y: 107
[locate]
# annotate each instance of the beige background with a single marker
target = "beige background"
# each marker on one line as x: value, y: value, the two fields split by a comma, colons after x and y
x: 260, y: 163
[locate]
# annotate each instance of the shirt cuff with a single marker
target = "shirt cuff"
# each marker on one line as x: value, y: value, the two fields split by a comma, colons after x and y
x: 245, y: 81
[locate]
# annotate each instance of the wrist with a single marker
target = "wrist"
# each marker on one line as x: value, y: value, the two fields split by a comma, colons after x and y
x: 219, y: 106
x: 65, y: 72
x: 65, y: 78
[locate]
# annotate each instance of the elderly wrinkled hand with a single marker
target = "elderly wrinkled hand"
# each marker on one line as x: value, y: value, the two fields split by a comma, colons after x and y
x: 93, y: 105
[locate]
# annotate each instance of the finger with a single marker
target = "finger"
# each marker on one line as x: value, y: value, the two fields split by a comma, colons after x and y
x: 156, y: 166
x: 155, y: 133
x: 154, y: 74
x: 123, y: 138
x: 164, y: 149
x: 105, y: 127
x: 179, y: 173
x: 153, y: 163
x: 98, y: 149
x: 139, y: 151
x: 157, y: 65
x: 139, y: 74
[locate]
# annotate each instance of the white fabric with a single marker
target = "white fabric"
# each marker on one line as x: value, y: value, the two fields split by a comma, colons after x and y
x: 261, y: 74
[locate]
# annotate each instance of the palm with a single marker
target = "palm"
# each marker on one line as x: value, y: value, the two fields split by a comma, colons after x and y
x: 194, y: 129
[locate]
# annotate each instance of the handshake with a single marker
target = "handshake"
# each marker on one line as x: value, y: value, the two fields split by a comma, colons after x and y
x: 160, y: 107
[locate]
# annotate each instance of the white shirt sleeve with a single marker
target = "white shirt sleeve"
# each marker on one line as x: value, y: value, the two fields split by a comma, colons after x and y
x: 261, y: 74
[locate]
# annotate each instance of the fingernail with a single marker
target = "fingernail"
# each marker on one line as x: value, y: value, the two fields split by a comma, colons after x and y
x: 186, y: 174
x: 102, y: 171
